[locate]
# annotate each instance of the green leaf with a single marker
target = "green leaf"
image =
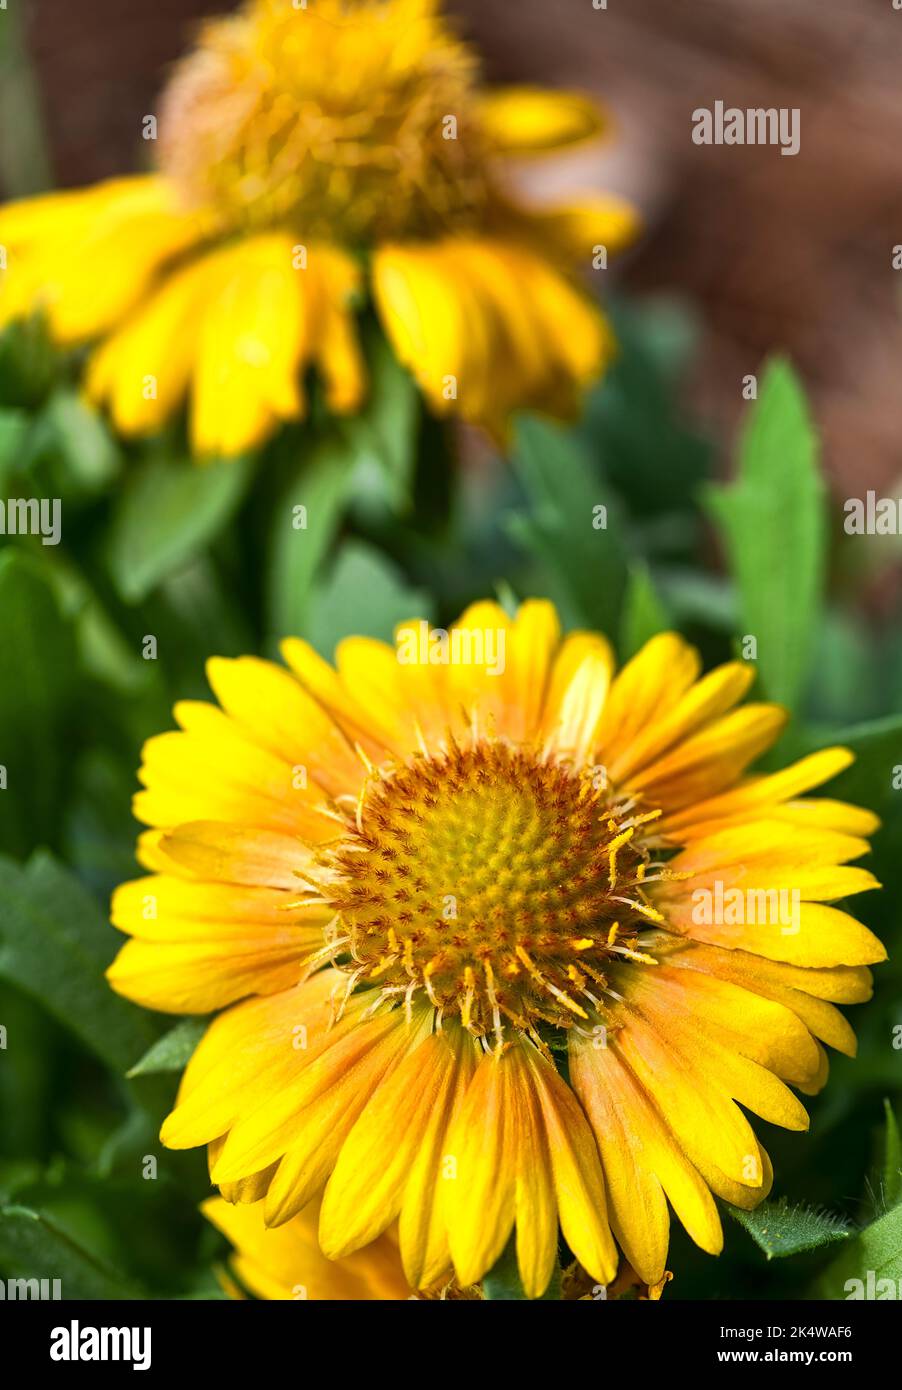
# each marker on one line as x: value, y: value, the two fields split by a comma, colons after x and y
x: 877, y: 745
x: 780, y: 1229
x: 583, y: 562
x: 364, y: 594
x: 79, y: 436
x: 316, y: 498
x: 14, y: 426
x: 39, y: 662
x: 34, y: 1246
x: 869, y: 782
x: 28, y: 361
x: 891, y: 1164
x: 873, y: 1255
x: 168, y: 511
x: 55, y: 943
x: 644, y: 614
x: 173, y: 1051
x: 633, y: 420
x: 383, y: 434
x: 774, y: 528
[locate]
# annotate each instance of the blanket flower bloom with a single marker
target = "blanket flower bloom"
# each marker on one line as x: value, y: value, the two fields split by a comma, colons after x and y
x: 426, y: 886
x: 308, y: 154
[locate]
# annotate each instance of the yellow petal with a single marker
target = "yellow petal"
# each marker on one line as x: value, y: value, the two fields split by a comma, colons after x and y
x: 249, y: 350
x: 531, y: 120
x: 398, y: 1140
x: 519, y: 1136
x: 256, y: 1047
x: 578, y: 229
x: 286, y: 1262
x: 89, y: 257
x: 202, y: 945
x: 645, y: 691
x: 581, y: 710
x: 332, y: 1094
x: 281, y: 717
x: 703, y: 702
x: 236, y: 854
x: 641, y: 1162
x: 755, y: 794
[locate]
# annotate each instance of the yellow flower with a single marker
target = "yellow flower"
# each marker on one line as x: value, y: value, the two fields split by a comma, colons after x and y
x: 287, y: 1263
x: 307, y: 154
x: 423, y: 885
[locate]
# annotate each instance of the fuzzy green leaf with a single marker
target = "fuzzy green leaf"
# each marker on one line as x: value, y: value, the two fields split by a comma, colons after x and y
x: 774, y: 527
x: 780, y: 1229
x: 873, y: 1255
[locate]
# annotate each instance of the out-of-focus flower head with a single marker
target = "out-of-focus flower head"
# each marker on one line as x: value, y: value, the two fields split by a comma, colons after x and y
x: 310, y: 156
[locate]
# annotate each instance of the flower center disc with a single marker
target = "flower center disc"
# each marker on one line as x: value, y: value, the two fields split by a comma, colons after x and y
x: 499, y: 884
x: 340, y: 120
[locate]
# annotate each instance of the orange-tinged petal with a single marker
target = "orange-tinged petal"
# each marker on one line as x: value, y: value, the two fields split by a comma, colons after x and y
x: 578, y: 1181
x: 397, y: 1145
x: 337, y: 1087
x: 646, y: 690
x: 238, y: 854
x: 256, y: 1047
x: 642, y: 1162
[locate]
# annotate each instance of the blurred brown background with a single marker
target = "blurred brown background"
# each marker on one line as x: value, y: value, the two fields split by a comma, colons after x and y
x: 773, y: 252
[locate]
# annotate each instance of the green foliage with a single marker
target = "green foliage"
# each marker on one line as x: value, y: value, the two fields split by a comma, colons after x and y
x: 582, y: 562
x: 781, y: 1229
x: 173, y: 1051
x: 362, y: 593
x: 32, y: 1246
x: 644, y: 614
x: 305, y: 522
x: 38, y: 651
x: 56, y: 943
x: 891, y: 1161
x: 875, y: 1251
x: 169, y: 510
x: 382, y: 437
x: 773, y: 523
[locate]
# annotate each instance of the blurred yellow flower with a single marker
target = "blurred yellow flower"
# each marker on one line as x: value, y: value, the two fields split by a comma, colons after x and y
x: 287, y: 1263
x: 307, y: 154
x: 415, y: 883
